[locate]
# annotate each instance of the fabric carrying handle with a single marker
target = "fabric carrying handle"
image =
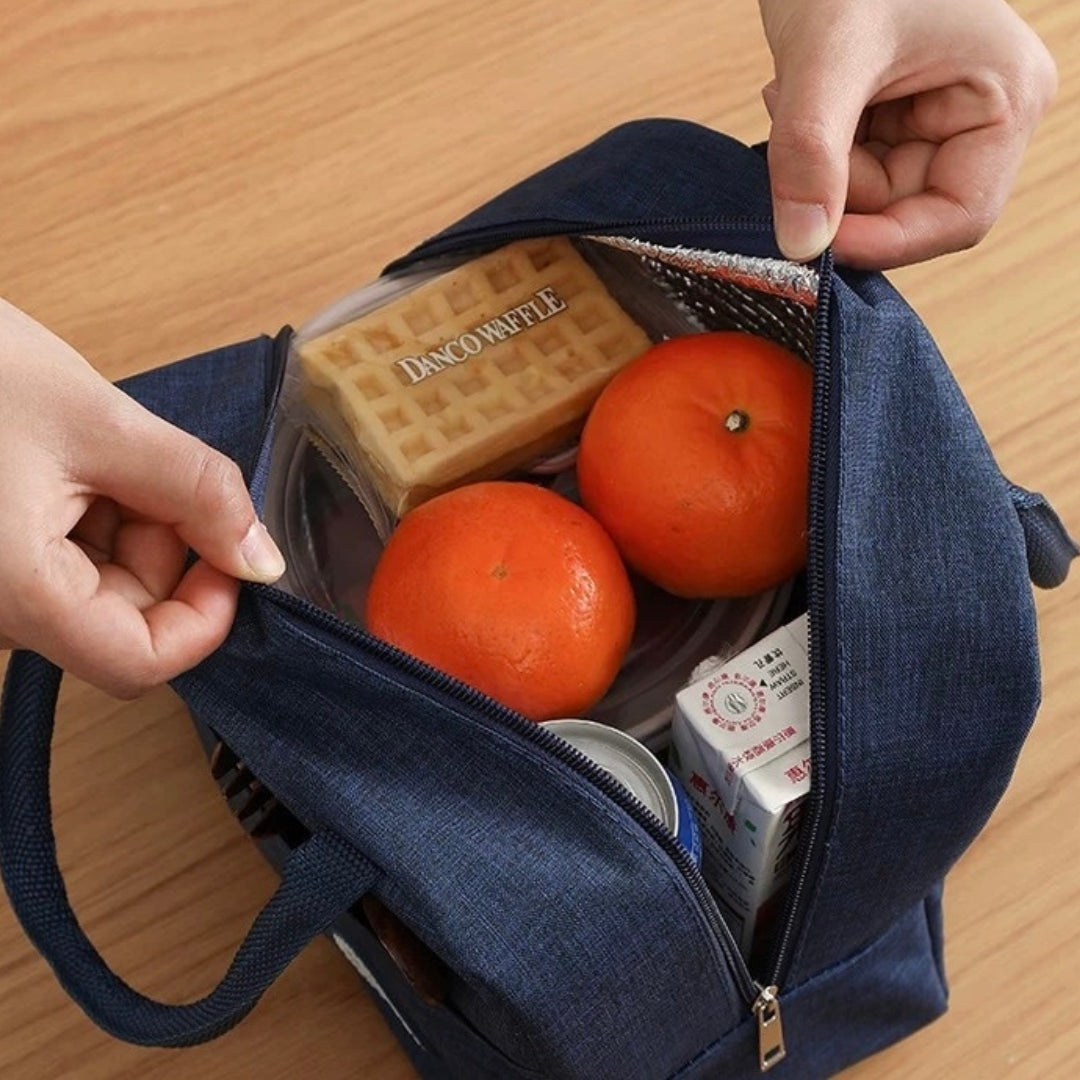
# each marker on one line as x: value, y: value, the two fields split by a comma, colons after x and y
x: 321, y: 879
x: 1050, y: 549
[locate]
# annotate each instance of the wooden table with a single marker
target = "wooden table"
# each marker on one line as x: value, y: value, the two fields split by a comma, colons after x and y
x: 176, y: 176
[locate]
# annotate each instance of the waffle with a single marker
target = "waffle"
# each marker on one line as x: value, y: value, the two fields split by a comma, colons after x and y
x: 471, y: 375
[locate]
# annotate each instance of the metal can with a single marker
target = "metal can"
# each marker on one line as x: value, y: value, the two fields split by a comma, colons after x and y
x: 689, y: 832
x: 639, y: 771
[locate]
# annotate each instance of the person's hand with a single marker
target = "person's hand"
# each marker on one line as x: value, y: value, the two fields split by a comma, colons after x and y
x: 897, y: 125
x: 99, y: 502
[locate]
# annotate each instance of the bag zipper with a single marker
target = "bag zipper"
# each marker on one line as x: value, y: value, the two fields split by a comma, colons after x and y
x: 760, y: 999
x: 763, y: 999
x: 825, y: 450
x: 492, y: 236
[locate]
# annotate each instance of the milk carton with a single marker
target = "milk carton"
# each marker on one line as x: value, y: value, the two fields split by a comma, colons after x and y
x: 741, y: 747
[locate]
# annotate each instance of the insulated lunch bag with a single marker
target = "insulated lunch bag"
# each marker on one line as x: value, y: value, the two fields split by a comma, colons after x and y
x: 515, y: 911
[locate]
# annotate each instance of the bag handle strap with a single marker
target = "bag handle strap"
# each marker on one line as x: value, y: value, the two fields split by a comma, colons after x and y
x: 1050, y: 549
x: 320, y: 880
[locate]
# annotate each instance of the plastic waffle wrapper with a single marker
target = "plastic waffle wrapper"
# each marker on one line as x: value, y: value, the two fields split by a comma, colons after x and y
x: 471, y: 375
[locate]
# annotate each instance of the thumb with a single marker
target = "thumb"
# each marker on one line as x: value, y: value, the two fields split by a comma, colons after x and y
x: 148, y: 465
x: 815, y: 103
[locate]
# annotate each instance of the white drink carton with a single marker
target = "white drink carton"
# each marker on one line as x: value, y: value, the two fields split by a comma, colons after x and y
x: 740, y: 738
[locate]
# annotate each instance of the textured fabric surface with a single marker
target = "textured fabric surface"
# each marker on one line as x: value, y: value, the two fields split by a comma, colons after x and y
x: 669, y: 181
x: 848, y: 1011
x: 935, y: 668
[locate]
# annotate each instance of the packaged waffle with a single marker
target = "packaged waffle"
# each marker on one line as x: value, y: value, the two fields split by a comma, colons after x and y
x: 476, y: 372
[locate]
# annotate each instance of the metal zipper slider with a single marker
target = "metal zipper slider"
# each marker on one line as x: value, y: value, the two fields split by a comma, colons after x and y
x: 771, y: 1049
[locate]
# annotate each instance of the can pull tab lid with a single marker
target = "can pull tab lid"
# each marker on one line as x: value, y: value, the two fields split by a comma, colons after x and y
x: 771, y: 1050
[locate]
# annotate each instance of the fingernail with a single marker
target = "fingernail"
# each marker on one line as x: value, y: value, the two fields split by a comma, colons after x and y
x: 802, y: 229
x: 261, y: 554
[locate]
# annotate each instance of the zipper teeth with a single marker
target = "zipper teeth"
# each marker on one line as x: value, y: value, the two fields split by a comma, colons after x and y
x: 439, y: 245
x: 549, y: 741
x: 820, y: 510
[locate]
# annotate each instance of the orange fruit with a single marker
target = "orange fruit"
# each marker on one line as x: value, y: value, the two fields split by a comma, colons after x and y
x: 695, y: 458
x: 510, y: 588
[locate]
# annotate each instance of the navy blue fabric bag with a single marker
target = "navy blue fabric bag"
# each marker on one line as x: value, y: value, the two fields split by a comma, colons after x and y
x: 574, y: 938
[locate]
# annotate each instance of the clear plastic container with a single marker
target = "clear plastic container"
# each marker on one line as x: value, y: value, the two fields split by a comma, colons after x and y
x: 330, y: 513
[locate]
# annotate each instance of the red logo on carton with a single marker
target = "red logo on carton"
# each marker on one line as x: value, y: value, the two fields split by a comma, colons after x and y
x: 734, y: 702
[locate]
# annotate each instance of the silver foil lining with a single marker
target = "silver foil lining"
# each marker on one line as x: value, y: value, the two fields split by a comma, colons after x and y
x: 720, y: 291
x: 788, y: 280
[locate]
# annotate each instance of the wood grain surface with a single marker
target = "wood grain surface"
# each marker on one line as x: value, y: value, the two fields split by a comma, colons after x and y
x: 174, y: 176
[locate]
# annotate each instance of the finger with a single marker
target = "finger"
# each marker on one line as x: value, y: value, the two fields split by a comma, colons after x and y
x: 110, y: 643
x: 186, y: 628
x: 770, y: 93
x: 146, y: 563
x: 967, y: 183
x: 146, y: 464
x: 142, y: 560
x: 97, y: 528
x: 153, y: 554
x: 893, y: 121
x: 922, y: 227
x: 816, y: 110
x: 882, y: 175
x: 938, y: 113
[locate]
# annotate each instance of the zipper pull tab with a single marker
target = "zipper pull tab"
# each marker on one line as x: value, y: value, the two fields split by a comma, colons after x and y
x: 771, y: 1050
